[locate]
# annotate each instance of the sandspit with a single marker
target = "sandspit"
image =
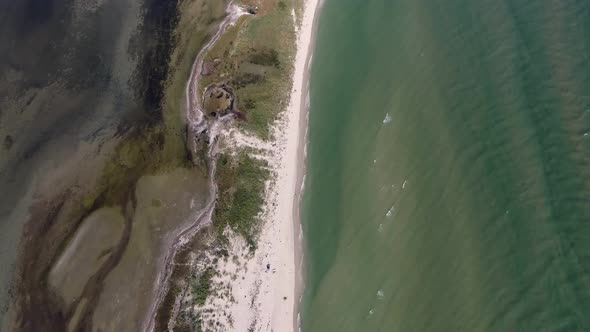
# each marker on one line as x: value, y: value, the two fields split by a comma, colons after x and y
x: 261, y: 287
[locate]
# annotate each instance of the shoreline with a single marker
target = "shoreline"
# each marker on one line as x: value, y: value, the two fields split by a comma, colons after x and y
x: 276, y: 303
x: 298, y: 113
x: 305, y: 109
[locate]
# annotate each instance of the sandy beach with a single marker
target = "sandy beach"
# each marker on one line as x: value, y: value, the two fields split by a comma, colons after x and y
x: 261, y: 290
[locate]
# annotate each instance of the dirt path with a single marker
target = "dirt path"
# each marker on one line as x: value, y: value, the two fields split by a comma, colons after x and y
x: 197, y: 125
x: 194, y: 113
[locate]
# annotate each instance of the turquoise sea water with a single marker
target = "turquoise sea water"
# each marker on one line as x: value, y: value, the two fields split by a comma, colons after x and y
x: 448, y: 178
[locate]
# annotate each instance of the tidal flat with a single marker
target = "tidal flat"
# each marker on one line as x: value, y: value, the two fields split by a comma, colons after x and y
x: 93, y: 167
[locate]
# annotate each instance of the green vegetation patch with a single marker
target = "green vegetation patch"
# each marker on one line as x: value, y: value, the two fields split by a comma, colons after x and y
x: 240, y: 182
x: 265, y: 57
x: 201, y: 287
x: 224, y: 51
x: 268, y: 40
x: 255, y: 58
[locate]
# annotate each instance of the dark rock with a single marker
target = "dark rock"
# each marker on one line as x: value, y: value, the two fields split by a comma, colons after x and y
x: 8, y: 141
x: 240, y: 115
x: 252, y: 10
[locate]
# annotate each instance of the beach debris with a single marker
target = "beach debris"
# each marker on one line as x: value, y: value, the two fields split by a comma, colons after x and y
x: 252, y: 10
x: 380, y: 294
x: 404, y: 184
x: 267, y: 267
x: 390, y: 211
x: 387, y: 119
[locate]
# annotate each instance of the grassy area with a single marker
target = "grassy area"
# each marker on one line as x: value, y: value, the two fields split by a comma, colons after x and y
x: 240, y: 182
x: 201, y: 287
x: 256, y: 61
x: 197, y: 22
x: 254, y: 57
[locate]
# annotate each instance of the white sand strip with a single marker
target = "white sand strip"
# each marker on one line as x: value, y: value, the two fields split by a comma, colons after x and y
x: 278, y: 236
